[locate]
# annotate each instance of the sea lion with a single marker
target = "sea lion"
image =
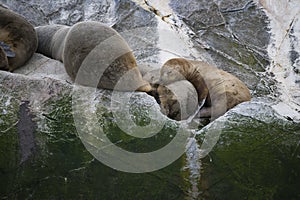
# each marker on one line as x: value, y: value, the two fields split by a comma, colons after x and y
x: 93, y: 50
x: 18, y: 40
x: 223, y: 90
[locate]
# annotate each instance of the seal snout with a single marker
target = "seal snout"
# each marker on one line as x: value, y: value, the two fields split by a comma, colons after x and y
x: 145, y: 88
x: 154, y: 93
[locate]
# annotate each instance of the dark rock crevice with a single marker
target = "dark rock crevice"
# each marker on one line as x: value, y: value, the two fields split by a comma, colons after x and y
x: 26, y: 127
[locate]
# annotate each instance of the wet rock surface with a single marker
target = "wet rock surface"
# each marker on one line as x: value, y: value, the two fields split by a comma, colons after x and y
x: 253, y: 147
x: 250, y: 148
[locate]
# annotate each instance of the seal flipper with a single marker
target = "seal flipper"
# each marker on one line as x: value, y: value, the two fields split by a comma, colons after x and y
x: 205, y: 112
x: 7, y: 50
x: 3, y: 60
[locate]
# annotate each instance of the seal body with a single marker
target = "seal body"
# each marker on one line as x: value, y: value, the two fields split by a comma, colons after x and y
x: 221, y: 89
x: 51, y: 40
x: 177, y: 69
x: 93, y: 55
x: 20, y: 36
x: 178, y: 100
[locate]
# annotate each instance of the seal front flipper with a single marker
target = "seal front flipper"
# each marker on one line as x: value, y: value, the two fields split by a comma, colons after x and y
x: 205, y: 112
x: 7, y: 50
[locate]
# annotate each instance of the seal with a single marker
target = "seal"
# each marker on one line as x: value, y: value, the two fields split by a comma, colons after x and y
x: 95, y: 51
x: 18, y: 40
x: 223, y: 90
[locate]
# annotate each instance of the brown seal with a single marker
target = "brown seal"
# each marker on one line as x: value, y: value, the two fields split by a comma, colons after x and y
x: 19, y: 36
x: 93, y: 50
x: 222, y: 89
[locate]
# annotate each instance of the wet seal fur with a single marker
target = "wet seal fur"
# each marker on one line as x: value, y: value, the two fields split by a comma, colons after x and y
x: 221, y: 90
x: 19, y: 35
x: 177, y: 100
x: 89, y: 49
x: 177, y: 69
